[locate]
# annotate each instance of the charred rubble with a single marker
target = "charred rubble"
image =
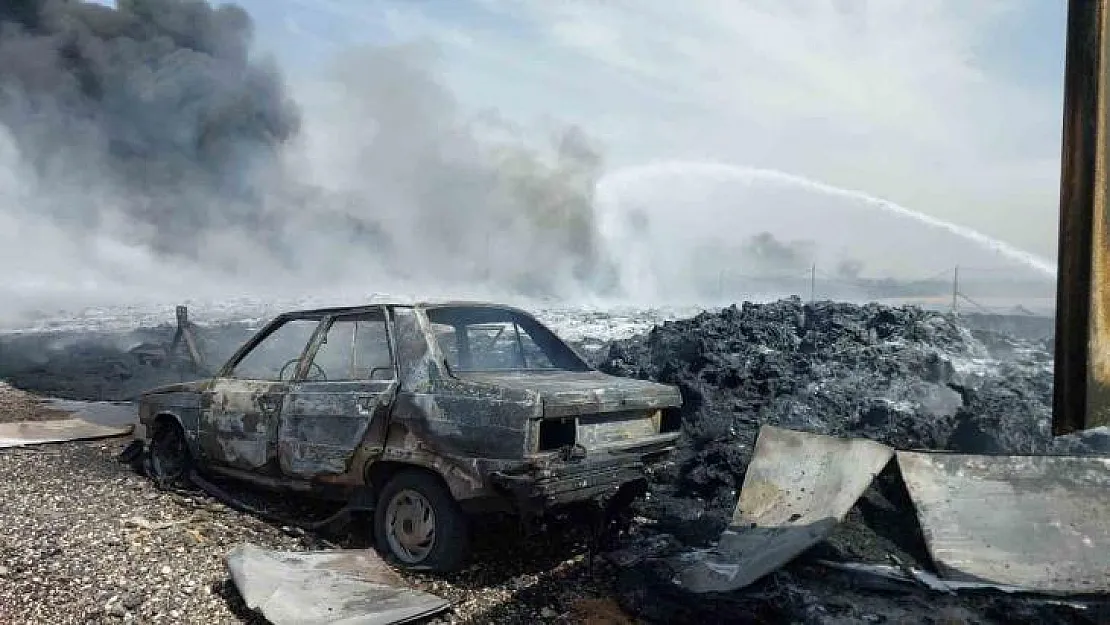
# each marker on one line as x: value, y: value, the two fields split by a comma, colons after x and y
x: 904, y: 376
x: 110, y: 366
x: 907, y: 377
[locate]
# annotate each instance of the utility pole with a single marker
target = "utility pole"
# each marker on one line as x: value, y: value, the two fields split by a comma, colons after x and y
x: 956, y: 290
x: 1079, y: 377
x: 812, y: 283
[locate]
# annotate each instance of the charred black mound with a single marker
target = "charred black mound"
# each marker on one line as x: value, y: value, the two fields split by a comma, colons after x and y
x: 819, y: 596
x: 904, y: 376
x: 907, y: 377
x: 106, y: 366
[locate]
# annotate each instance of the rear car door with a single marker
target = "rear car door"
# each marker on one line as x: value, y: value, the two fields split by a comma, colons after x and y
x: 343, y: 401
x: 239, y: 412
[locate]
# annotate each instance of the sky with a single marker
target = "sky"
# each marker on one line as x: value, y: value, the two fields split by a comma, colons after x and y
x: 952, y: 108
x: 948, y: 107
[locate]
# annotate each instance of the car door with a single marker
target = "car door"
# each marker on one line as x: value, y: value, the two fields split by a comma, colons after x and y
x: 240, y: 410
x: 348, y: 390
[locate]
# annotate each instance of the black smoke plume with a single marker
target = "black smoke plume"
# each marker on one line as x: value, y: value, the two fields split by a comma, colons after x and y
x: 161, y: 97
x: 154, y: 125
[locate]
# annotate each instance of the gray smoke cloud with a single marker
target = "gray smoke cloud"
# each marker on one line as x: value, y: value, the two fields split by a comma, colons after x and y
x: 148, y: 145
x: 158, y: 101
x: 458, y: 197
x: 849, y: 269
x: 767, y: 253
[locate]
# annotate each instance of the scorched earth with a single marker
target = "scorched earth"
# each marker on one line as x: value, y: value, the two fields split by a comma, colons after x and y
x: 89, y: 540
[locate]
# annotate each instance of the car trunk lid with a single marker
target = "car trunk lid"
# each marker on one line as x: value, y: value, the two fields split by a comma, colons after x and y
x: 593, y: 409
x: 569, y: 394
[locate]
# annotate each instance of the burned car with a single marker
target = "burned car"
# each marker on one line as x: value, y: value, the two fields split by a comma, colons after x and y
x: 427, y: 414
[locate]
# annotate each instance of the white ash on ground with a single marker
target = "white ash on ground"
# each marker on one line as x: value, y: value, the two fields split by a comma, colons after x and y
x: 88, y: 540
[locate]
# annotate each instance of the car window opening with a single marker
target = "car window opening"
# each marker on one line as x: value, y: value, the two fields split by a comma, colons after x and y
x: 476, y: 339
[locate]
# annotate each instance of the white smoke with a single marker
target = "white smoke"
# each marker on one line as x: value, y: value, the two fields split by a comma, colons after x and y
x: 146, y: 155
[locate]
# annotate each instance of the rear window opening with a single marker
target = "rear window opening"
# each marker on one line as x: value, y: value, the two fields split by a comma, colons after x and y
x: 557, y: 434
x: 480, y: 338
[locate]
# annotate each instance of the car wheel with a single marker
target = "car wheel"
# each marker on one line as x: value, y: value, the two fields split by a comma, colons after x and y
x: 419, y: 525
x: 170, y: 461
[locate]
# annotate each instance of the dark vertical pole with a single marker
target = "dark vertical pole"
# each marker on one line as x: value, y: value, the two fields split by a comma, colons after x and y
x: 1080, y: 391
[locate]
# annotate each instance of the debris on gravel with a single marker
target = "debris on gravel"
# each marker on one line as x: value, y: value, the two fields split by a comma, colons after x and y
x: 88, y: 540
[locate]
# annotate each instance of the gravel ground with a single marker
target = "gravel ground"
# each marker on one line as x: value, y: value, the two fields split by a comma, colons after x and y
x: 17, y: 405
x: 87, y: 540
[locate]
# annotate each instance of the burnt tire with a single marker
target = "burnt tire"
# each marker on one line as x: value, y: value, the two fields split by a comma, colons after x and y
x: 169, y: 462
x: 418, y: 524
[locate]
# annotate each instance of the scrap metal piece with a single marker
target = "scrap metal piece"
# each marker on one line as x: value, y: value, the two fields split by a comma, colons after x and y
x: 38, y: 432
x: 349, y: 586
x: 917, y: 577
x: 743, y: 556
x: 1036, y: 522
x: 110, y: 413
x: 185, y: 329
x: 798, y: 487
x: 159, y: 354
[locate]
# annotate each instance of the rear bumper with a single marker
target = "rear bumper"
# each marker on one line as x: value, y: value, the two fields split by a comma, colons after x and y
x: 536, y: 490
x: 650, y: 449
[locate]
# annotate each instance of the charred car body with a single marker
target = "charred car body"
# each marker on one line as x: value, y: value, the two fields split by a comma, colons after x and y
x: 428, y: 413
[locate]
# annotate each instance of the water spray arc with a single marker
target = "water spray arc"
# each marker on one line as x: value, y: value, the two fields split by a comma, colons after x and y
x: 610, y: 188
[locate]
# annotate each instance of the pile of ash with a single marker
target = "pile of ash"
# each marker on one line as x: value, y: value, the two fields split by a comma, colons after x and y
x: 108, y: 366
x: 907, y: 377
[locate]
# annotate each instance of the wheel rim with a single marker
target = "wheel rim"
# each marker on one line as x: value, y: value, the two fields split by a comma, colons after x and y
x: 169, y: 454
x: 410, y: 526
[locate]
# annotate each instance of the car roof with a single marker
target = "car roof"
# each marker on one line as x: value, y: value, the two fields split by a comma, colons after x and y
x: 340, y: 310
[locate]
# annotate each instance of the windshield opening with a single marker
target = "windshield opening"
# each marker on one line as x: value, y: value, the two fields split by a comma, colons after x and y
x: 494, y: 339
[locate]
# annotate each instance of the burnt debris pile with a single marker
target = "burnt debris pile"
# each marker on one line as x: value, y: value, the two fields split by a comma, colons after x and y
x: 110, y: 366
x: 907, y: 377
